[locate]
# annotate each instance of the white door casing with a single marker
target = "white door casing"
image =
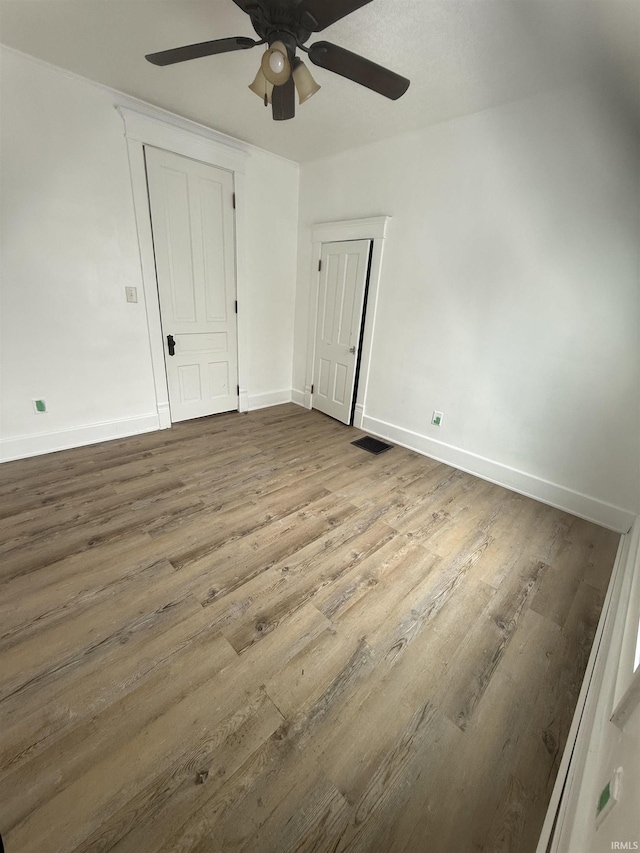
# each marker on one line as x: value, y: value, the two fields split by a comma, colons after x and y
x: 343, y: 278
x: 191, y: 206
x: 373, y: 229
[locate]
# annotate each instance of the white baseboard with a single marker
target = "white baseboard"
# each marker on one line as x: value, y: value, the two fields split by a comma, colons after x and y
x: 299, y: 398
x: 270, y: 398
x: 607, y: 515
x: 24, y: 446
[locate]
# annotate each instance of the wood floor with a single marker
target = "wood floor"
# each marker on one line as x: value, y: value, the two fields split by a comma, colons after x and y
x: 244, y: 634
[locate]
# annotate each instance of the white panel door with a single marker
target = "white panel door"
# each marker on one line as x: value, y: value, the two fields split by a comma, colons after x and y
x: 191, y: 207
x: 343, y: 277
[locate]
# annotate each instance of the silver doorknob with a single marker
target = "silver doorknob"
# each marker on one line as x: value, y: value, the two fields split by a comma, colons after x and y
x: 352, y: 349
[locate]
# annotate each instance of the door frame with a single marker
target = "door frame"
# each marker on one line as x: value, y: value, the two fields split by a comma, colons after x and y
x: 374, y: 229
x: 187, y: 139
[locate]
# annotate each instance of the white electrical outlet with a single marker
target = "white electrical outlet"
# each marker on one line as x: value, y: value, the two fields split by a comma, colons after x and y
x: 436, y: 419
x: 609, y: 796
x: 132, y: 294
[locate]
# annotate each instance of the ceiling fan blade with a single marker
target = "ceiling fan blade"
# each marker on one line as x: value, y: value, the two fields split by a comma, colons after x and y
x: 204, y: 48
x: 283, y: 100
x: 358, y: 69
x: 326, y: 12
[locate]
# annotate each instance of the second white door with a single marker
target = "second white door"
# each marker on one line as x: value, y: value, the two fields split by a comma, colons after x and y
x: 343, y: 278
x: 191, y: 207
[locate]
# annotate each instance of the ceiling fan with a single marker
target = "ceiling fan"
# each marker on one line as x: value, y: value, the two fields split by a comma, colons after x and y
x: 285, y: 25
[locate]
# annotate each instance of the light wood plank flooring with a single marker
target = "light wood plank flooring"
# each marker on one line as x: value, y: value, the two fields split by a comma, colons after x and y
x: 244, y: 634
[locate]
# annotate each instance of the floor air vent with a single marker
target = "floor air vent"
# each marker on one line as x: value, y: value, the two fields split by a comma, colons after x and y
x: 372, y: 445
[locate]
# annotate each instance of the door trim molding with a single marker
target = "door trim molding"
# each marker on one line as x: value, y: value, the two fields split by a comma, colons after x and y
x: 375, y: 229
x: 141, y: 129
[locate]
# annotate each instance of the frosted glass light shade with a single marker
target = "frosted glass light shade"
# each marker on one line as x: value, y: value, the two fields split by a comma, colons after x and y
x: 261, y: 86
x: 306, y: 86
x: 275, y: 64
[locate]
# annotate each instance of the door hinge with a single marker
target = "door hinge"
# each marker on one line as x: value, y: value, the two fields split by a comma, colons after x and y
x: 233, y: 197
x: 236, y: 306
x: 238, y: 390
x: 319, y: 264
x: 312, y: 389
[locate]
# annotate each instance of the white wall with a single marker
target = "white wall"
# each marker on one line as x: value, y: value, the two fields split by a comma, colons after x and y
x: 69, y: 247
x: 68, y: 250
x: 508, y: 298
x: 271, y: 221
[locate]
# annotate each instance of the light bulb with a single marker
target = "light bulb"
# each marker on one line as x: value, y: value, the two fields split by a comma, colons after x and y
x: 276, y: 62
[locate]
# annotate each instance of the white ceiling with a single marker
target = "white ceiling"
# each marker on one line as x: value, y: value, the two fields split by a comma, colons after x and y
x: 462, y: 56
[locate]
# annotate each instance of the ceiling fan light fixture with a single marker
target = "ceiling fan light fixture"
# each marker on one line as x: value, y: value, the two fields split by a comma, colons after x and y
x: 285, y: 26
x: 275, y: 64
x: 306, y: 86
x: 262, y: 87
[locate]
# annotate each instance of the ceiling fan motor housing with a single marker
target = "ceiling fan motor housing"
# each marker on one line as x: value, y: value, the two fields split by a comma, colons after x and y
x: 273, y: 21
